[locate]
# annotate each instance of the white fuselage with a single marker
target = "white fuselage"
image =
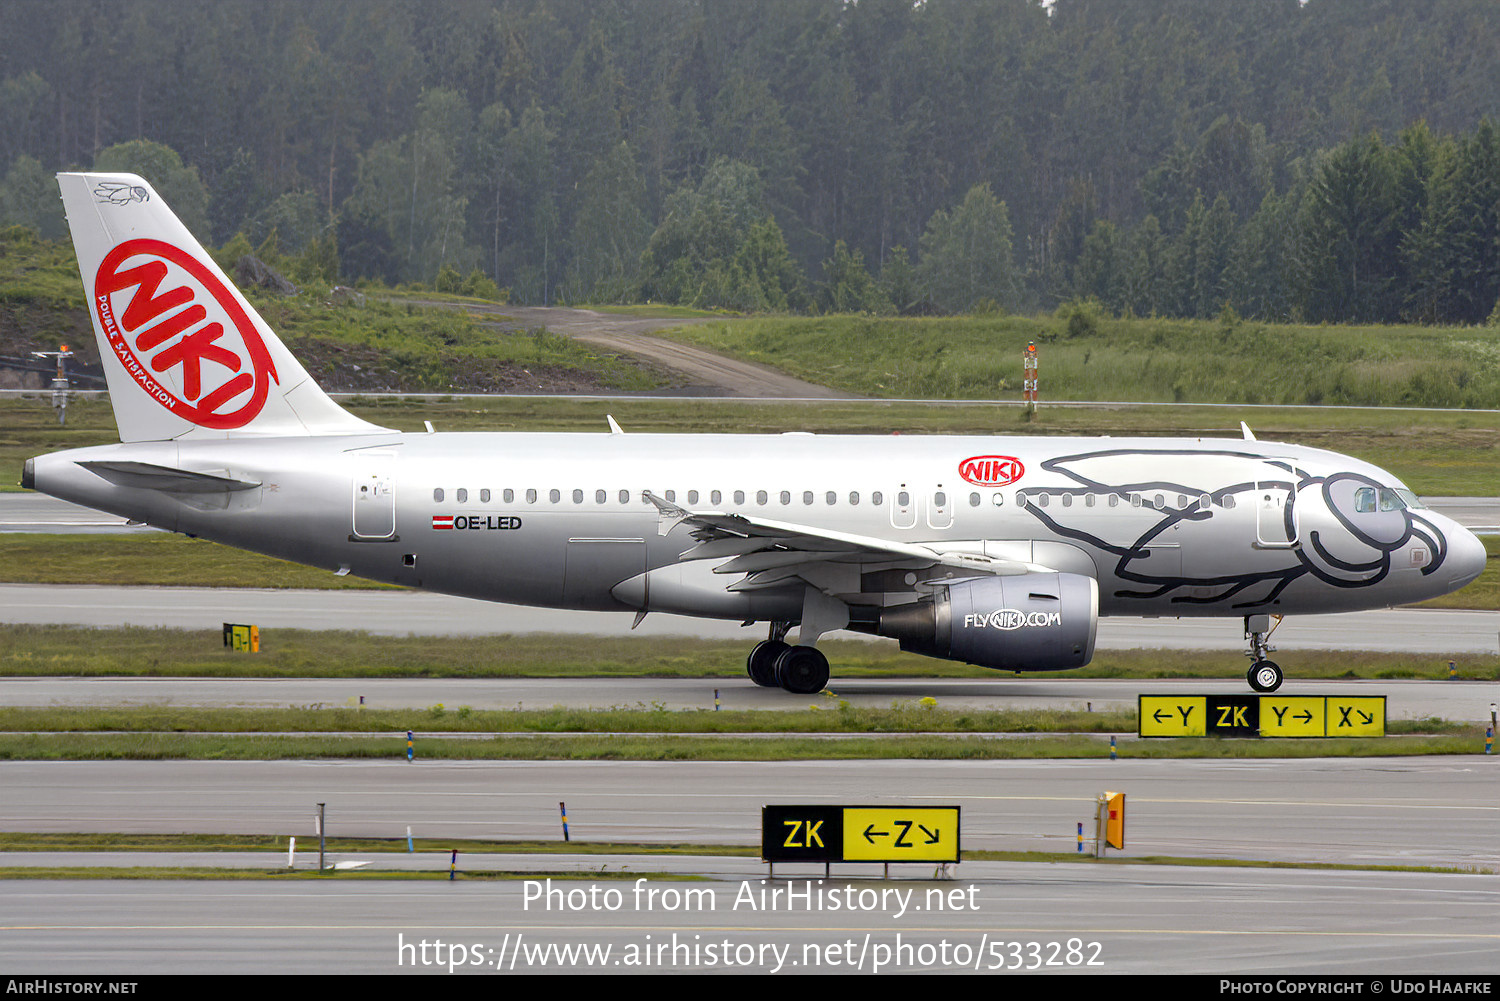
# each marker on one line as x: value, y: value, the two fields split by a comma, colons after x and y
x: 1166, y: 526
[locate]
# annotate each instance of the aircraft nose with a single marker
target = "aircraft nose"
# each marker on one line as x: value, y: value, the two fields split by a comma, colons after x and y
x: 1466, y: 554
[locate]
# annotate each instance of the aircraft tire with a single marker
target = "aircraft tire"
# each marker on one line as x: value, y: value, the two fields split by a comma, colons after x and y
x: 761, y: 664
x: 1264, y: 676
x: 802, y: 670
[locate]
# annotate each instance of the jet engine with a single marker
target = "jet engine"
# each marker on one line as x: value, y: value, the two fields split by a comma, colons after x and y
x: 1032, y: 622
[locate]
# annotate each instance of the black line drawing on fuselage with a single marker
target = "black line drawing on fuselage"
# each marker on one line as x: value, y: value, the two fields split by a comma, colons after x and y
x: 1344, y: 528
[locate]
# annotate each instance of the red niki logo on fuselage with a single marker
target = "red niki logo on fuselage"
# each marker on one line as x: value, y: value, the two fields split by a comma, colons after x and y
x: 195, y: 330
x: 991, y: 470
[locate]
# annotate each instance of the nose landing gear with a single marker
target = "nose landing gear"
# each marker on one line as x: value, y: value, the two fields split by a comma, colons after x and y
x: 1264, y: 675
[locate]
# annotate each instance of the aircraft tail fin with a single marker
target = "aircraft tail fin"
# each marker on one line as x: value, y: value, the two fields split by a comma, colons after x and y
x: 183, y: 351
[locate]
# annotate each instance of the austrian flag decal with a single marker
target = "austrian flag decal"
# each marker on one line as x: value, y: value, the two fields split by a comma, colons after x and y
x: 991, y: 470
x: 442, y: 521
x: 182, y: 335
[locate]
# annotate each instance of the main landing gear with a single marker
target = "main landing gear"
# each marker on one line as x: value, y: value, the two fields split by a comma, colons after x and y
x: 801, y: 670
x: 1264, y: 675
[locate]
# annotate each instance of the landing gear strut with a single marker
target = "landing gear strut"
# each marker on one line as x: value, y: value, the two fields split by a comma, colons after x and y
x: 801, y: 670
x: 1264, y: 675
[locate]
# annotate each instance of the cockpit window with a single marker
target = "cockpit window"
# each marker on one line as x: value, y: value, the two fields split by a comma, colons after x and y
x: 1412, y: 500
x: 1367, y: 500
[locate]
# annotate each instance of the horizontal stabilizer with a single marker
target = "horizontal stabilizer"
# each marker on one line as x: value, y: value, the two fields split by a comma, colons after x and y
x: 148, y: 476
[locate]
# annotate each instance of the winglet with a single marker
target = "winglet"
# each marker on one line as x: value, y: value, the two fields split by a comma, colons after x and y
x: 613, y: 427
x: 1245, y: 430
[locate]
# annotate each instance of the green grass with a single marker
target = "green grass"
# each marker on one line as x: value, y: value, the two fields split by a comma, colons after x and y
x: 1172, y: 361
x: 375, y: 341
x: 617, y: 747
x: 408, y: 347
x: 1483, y: 592
x: 70, y: 651
x: 841, y: 718
x: 155, y: 558
x: 136, y: 842
x: 282, y: 873
x: 277, y: 844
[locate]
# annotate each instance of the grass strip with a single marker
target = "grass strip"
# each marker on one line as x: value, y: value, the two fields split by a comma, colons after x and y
x: 213, y: 873
x: 911, y: 718
x: 593, y: 875
x: 176, y: 746
x: 72, y: 651
x: 1131, y: 358
x: 907, y: 718
x: 68, y: 841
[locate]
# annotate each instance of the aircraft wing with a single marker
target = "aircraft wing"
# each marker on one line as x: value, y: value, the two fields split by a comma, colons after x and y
x: 770, y: 553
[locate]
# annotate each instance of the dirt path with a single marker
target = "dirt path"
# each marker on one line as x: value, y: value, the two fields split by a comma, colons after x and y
x: 704, y: 372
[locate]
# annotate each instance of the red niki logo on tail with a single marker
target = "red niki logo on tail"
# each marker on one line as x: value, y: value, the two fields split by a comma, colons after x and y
x: 194, y: 334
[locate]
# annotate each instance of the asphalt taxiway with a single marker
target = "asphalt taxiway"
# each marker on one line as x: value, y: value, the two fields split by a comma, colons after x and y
x: 1012, y: 918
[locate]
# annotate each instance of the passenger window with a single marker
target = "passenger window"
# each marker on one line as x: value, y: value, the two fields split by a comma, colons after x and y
x: 786, y: 497
x: 437, y: 494
x: 1114, y: 500
x: 998, y: 499
x: 1044, y: 500
x: 940, y: 499
x: 599, y: 496
x: 484, y: 496
x: 462, y: 495
x: 739, y: 496
x: 761, y: 497
x: 973, y: 500
x: 903, y: 499
x: 807, y: 496
x: 692, y: 496
x: 853, y: 497
x: 554, y: 495
x: 832, y: 498
x: 877, y: 498
x: 715, y: 498
x: 531, y: 496
x: 671, y: 495
x: 1067, y: 500
x: 1088, y: 500
x: 624, y: 496
x: 509, y: 496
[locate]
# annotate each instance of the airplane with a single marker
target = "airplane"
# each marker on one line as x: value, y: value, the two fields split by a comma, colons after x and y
x: 998, y: 551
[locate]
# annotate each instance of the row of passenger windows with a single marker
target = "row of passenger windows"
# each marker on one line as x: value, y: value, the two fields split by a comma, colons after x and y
x: 762, y: 497
x: 831, y: 498
x: 1185, y: 502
